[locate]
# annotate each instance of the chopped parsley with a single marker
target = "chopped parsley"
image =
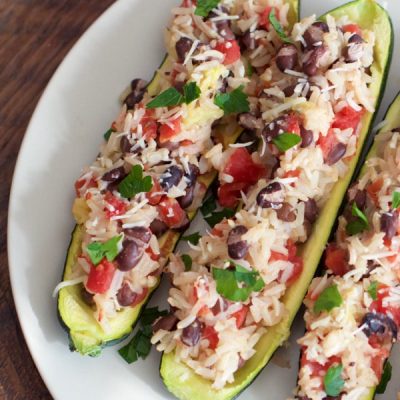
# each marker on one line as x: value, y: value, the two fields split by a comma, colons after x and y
x: 395, y: 200
x: 97, y: 250
x: 328, y: 299
x: 360, y: 224
x: 286, y: 141
x: 135, y: 183
x: 211, y: 216
x: 208, y: 206
x: 237, y: 284
x: 233, y: 102
x: 193, y: 238
x: 373, y: 290
x: 107, y: 134
x: 278, y: 27
x: 205, y: 6
x: 187, y: 261
x: 333, y: 381
x: 386, y: 375
x: 171, y: 96
x: 140, y: 344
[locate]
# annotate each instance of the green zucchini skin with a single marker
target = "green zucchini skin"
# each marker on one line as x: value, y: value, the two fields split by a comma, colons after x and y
x: 76, y: 317
x: 180, y: 379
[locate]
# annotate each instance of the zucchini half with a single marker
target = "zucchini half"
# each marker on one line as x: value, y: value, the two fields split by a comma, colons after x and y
x: 182, y: 380
x: 85, y: 335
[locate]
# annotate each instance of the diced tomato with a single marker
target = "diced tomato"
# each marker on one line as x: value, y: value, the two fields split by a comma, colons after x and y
x: 294, y: 173
x: 153, y: 256
x: 293, y: 258
x: 347, y: 117
x: 80, y: 183
x: 242, y: 167
x: 336, y: 259
x: 140, y: 297
x: 327, y: 142
x: 171, y: 212
x: 293, y: 124
x: 231, y: 50
x: 352, y: 28
x: 216, y: 232
x: 292, y: 251
x: 264, y: 17
x: 154, y: 196
x: 240, y: 316
x: 100, y: 276
x: 296, y: 272
x: 168, y: 131
x: 377, y: 305
x: 229, y: 193
x: 203, y: 311
x: 118, y: 206
x: 211, y: 335
x: 373, y: 189
x: 149, y: 125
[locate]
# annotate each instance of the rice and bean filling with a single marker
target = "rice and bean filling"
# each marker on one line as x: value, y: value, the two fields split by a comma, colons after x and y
x: 353, y: 311
x: 144, y: 181
x: 306, y: 117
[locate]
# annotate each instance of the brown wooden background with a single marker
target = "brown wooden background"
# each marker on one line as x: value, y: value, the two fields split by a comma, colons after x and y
x: 35, y: 35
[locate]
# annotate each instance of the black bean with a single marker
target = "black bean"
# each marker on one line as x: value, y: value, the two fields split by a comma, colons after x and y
x: 224, y: 86
x: 389, y: 224
x: 354, y: 50
x: 314, y: 34
x: 270, y: 196
x: 310, y: 210
x: 192, y: 333
x: 360, y: 198
x: 287, y: 57
x: 192, y: 175
x: 87, y: 297
x: 125, y: 295
x: 138, y: 233
x: 249, y: 121
x: 186, y: 200
x: 158, y: 227
x: 223, y: 27
x: 182, y: 47
x: 115, y: 174
x: 289, y: 90
x: 249, y: 136
x: 171, y: 177
x: 379, y: 324
x: 237, y: 248
x: 337, y: 152
x: 356, y: 39
x: 311, y: 65
x: 286, y: 213
x: 220, y: 306
x: 274, y: 128
x: 167, y: 323
x: 179, y: 86
x: 129, y: 256
x: 248, y: 41
x: 138, y: 88
x: 125, y: 144
x: 307, y: 137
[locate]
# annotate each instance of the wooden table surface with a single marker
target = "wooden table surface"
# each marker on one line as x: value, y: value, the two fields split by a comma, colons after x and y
x: 35, y: 36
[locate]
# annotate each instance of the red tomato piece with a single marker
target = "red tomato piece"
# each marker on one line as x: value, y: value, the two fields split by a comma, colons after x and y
x: 80, y: 183
x: 118, y: 206
x: 231, y: 50
x: 352, y: 28
x: 100, y: 276
x: 211, y: 335
x: 154, y: 196
x: 168, y: 131
x: 240, y: 316
x: 327, y: 142
x: 264, y: 17
x: 171, y: 212
x: 347, y: 117
x: 229, y: 193
x: 336, y: 259
x: 153, y: 256
x: 293, y: 124
x: 373, y: 189
x: 149, y: 125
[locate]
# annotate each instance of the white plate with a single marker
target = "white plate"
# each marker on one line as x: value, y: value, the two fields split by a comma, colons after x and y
x: 64, y: 135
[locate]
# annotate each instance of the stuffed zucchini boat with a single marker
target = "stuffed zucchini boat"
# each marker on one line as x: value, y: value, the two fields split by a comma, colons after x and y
x: 353, y: 311
x: 233, y: 304
x: 151, y: 174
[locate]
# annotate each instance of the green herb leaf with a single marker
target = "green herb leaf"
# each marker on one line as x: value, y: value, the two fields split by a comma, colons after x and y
x: 169, y: 97
x: 134, y: 183
x: 217, y: 216
x: 395, y: 200
x: 140, y: 344
x: 386, y: 375
x: 205, y: 6
x: 191, y: 92
x: 286, y: 141
x: 358, y: 225
x: 228, y: 280
x: 108, y: 134
x: 187, y: 261
x: 233, y: 102
x: 333, y: 381
x: 208, y: 206
x: 328, y: 299
x: 278, y: 27
x: 373, y: 290
x: 193, y: 238
x: 249, y: 70
x: 97, y: 250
